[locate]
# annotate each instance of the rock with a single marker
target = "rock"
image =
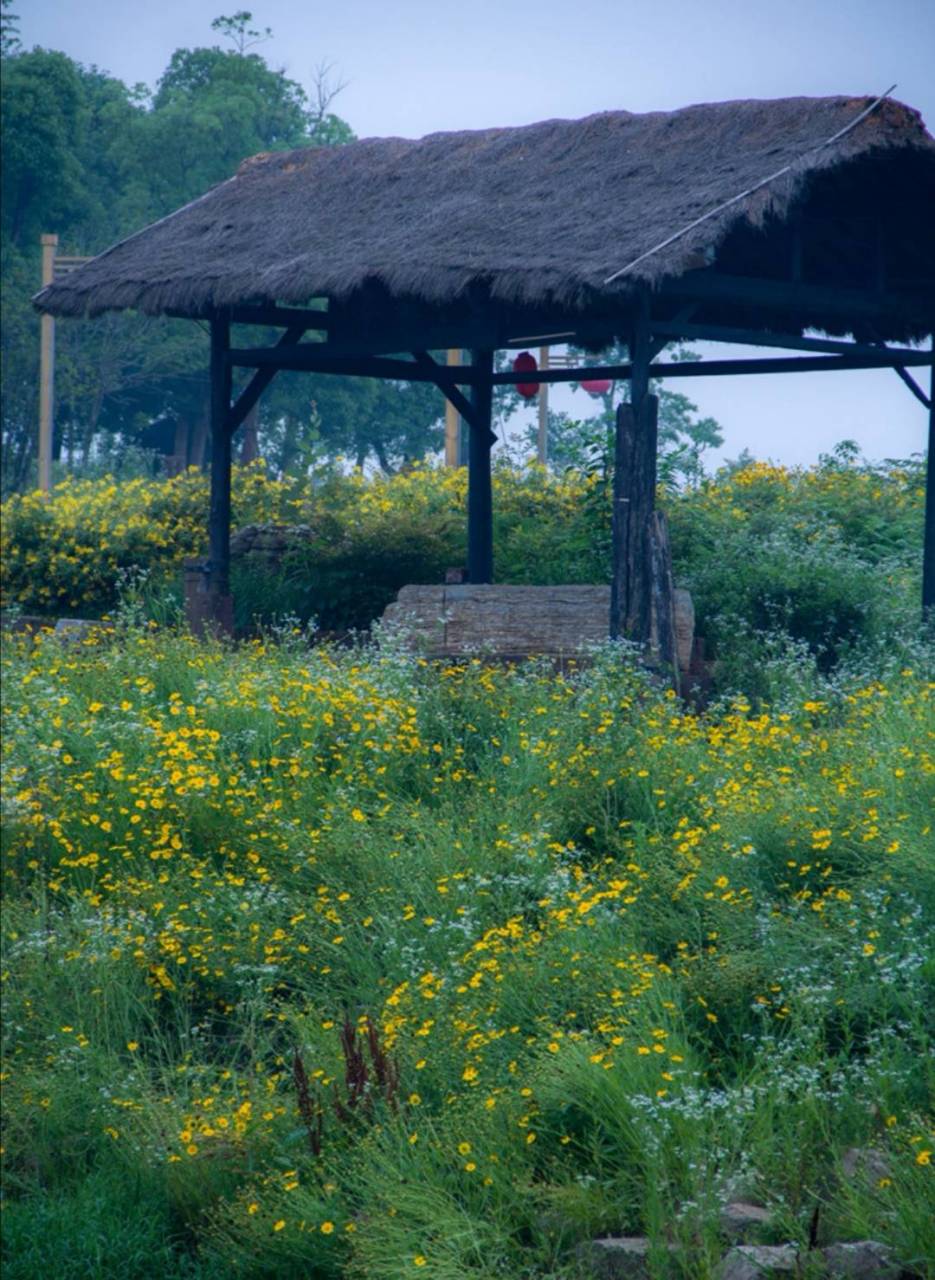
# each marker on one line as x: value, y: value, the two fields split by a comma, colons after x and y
x: 268, y: 542
x: 756, y: 1261
x: 861, y: 1260
x: 619, y: 1257
x: 865, y: 1165
x: 739, y: 1219
x: 75, y: 630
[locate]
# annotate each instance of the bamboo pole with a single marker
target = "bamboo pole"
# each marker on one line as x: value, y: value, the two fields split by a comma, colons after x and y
x: 542, y: 439
x: 452, y: 422
x: 46, y: 369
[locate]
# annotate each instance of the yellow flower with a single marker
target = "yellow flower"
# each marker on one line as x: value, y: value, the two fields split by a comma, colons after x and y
x: 278, y: 1226
x: 924, y: 1157
x: 326, y: 1228
x: 132, y: 1046
x: 464, y: 1148
x: 420, y: 1260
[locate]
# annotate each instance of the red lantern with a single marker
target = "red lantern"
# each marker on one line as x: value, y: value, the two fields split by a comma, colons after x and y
x: 525, y: 362
x: 597, y: 386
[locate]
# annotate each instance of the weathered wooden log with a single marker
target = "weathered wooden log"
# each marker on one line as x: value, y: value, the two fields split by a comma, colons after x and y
x: 634, y: 497
x: 661, y: 592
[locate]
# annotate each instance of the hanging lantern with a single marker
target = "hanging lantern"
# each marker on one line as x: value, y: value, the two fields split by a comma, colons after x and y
x: 525, y: 362
x: 596, y: 386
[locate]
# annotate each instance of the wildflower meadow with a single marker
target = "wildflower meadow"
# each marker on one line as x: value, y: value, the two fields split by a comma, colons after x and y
x: 337, y: 962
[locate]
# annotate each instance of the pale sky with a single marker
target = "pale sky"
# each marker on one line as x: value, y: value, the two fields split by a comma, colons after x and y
x: 418, y: 66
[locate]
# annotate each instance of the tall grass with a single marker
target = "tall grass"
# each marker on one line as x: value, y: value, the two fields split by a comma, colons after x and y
x: 625, y: 962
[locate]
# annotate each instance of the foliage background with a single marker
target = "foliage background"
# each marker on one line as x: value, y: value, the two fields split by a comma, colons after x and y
x: 93, y: 160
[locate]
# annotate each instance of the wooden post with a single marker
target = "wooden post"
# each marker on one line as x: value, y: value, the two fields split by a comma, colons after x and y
x: 928, y: 542
x: 661, y: 596
x: 480, y: 492
x: 250, y: 440
x: 542, y: 440
x: 46, y: 369
x: 633, y: 496
x: 642, y: 598
x: 219, y: 519
x: 634, y: 489
x: 453, y: 429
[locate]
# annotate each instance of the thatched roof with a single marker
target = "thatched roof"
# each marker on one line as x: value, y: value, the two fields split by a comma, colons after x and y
x: 536, y: 215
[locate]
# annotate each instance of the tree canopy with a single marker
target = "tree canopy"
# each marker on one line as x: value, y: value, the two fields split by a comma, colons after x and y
x: 93, y: 160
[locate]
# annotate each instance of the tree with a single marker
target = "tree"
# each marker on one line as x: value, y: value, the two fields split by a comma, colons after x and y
x: 683, y: 435
x: 9, y: 31
x: 236, y: 29
x: 305, y: 416
x: 43, y: 115
x: 92, y: 159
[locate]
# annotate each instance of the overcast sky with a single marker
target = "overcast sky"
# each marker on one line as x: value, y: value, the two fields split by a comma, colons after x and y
x: 417, y: 66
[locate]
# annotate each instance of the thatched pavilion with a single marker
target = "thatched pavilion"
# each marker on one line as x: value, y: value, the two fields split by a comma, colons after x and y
x: 744, y: 222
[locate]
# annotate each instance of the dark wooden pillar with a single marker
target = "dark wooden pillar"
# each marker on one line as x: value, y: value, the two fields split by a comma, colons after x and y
x: 634, y: 501
x: 219, y: 518
x: 928, y: 543
x: 480, y: 491
x: 634, y: 496
x: 642, y: 600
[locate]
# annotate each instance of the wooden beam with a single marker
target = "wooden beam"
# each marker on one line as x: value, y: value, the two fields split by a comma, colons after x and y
x: 913, y: 385
x: 640, y: 351
x: 713, y: 286
x: 928, y: 540
x: 319, y: 357
x: 480, y: 487
x: 219, y: 518
x: 304, y: 358
x: 249, y: 397
x: 315, y: 357
x: 757, y: 338
x: 456, y: 398
x: 286, y: 317
x: 681, y: 317
x: 722, y: 368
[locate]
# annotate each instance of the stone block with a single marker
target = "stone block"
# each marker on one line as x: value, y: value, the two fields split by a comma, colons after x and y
x: 758, y: 1262
x: 865, y: 1165
x: 740, y: 1219
x: 76, y: 630
x: 455, y: 620
x: 619, y: 1257
x: 860, y: 1260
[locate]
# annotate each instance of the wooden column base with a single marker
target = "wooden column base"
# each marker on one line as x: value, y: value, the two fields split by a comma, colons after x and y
x: 207, y: 611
